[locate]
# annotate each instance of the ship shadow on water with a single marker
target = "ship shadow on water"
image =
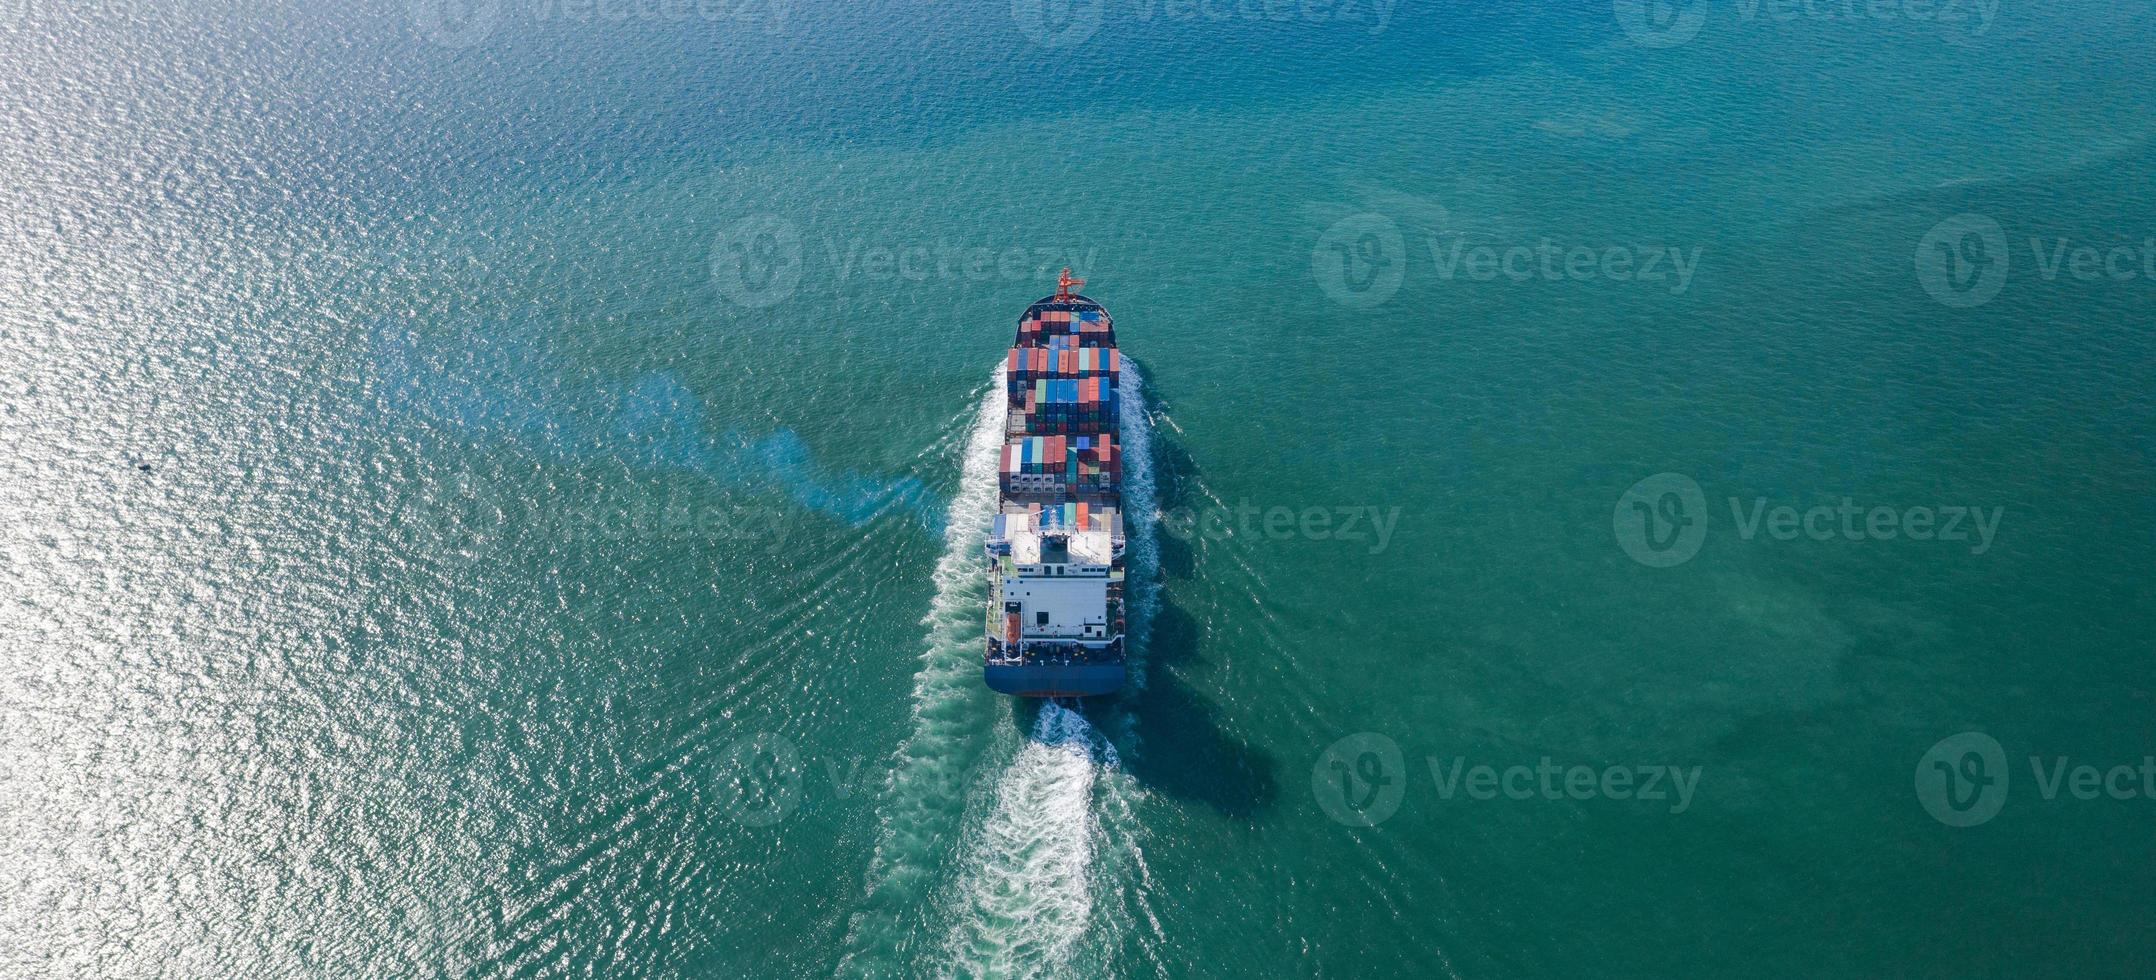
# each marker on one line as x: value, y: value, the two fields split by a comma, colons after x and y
x: 1183, y: 752
x: 1186, y: 754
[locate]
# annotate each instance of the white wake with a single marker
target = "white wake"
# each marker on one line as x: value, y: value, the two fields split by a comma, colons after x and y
x: 1049, y: 873
x: 923, y: 802
x: 1057, y: 856
x: 1027, y: 890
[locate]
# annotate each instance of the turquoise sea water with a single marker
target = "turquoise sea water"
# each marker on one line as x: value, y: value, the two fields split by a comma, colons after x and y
x: 556, y: 548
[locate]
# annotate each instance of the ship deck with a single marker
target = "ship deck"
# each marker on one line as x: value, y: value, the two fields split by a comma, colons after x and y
x: 1060, y: 664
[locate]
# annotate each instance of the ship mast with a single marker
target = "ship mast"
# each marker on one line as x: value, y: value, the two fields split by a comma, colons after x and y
x: 1064, y: 283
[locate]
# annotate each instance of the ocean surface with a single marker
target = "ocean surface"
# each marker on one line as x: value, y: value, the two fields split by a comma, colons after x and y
x: 493, y: 488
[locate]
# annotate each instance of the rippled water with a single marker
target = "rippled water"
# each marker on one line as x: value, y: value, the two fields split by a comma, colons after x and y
x: 492, y: 489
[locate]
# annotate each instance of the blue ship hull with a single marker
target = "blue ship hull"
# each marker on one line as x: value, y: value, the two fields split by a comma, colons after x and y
x: 1053, y: 681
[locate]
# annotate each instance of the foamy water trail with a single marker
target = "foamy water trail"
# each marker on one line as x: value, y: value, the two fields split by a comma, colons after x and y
x: 1049, y: 875
x: 1053, y: 876
x: 923, y: 803
x: 1141, y: 520
x: 1027, y: 889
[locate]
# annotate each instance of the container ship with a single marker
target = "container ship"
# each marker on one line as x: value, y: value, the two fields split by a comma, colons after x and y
x: 1055, y: 545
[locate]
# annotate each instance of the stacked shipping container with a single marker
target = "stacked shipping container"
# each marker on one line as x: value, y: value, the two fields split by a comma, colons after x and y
x: 1025, y: 365
x: 1061, y: 379
x: 1069, y: 515
x: 1057, y: 386
x: 1085, y: 464
x: 1087, y: 328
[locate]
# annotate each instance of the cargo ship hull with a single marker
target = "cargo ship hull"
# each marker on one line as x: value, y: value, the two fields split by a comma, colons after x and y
x: 1055, y: 616
x: 1044, y: 681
